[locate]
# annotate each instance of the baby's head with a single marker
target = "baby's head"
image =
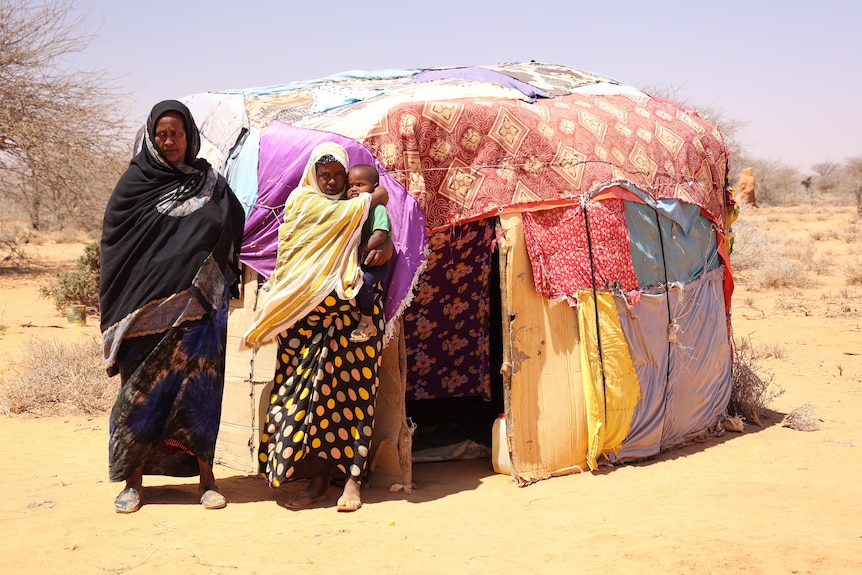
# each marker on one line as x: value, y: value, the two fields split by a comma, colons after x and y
x: 362, y: 178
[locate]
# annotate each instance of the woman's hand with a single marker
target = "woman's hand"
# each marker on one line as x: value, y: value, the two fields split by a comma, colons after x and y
x: 380, y: 196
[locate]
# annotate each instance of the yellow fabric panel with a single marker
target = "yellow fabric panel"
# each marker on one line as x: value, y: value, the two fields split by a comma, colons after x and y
x: 610, y: 406
x: 317, y: 254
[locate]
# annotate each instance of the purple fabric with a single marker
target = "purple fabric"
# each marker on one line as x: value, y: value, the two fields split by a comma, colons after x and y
x: 483, y: 75
x: 284, y: 151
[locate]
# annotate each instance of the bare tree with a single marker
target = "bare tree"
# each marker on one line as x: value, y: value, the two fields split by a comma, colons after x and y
x: 62, y: 142
x: 852, y: 180
x: 729, y: 127
x: 826, y: 180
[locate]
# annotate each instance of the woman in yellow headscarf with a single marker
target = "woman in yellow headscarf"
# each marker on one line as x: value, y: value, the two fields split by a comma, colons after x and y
x: 321, y: 413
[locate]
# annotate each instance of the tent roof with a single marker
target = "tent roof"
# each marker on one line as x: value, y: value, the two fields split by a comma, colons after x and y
x: 460, y: 144
x: 498, y: 138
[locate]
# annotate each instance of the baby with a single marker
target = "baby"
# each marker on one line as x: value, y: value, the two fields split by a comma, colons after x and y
x: 363, y: 178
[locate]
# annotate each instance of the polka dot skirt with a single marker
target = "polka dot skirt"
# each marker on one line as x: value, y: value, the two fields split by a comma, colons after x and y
x: 322, y: 402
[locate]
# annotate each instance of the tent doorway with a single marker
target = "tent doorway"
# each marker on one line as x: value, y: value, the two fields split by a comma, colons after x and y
x: 448, y: 420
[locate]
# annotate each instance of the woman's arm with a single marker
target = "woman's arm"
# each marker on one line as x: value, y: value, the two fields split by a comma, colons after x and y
x: 381, y: 255
x: 379, y: 197
x: 374, y: 241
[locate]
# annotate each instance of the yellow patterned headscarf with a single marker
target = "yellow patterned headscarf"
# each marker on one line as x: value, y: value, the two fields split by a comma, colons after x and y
x: 323, y: 154
x: 317, y: 253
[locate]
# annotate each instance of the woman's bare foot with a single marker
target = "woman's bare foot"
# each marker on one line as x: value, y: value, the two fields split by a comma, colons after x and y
x: 314, y: 492
x: 350, y: 499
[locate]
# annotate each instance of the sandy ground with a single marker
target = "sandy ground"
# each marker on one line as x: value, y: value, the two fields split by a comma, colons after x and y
x: 768, y: 500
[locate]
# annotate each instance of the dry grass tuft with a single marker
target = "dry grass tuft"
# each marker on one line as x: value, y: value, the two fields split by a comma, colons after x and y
x: 752, y: 390
x: 819, y: 235
x: 802, y: 419
x: 853, y: 273
x: 845, y: 293
x: 771, y: 350
x: 781, y: 272
x: 850, y: 234
x: 54, y: 377
x: 821, y: 265
x: 761, y: 260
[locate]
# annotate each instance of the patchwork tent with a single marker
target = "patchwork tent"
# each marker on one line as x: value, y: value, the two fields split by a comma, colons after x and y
x: 560, y: 250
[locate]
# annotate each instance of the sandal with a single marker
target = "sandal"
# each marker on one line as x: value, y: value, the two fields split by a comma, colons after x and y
x: 128, y: 501
x: 303, y: 501
x: 363, y: 332
x: 212, y: 499
x: 348, y: 505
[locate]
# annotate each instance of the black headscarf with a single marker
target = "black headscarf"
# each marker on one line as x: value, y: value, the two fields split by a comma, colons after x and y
x: 162, y: 222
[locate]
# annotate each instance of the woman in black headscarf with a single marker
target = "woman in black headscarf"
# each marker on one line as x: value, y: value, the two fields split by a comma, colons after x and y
x: 170, y: 242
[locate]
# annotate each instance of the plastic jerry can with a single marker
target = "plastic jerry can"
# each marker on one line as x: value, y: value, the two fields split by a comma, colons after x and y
x: 500, y: 446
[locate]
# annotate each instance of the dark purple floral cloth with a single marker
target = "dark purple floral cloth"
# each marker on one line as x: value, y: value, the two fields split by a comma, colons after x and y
x: 446, y: 325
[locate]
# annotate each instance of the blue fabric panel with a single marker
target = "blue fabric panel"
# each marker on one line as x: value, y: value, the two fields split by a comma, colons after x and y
x: 352, y: 74
x: 692, y: 394
x: 645, y: 328
x: 241, y: 170
x: 700, y: 359
x: 687, y: 245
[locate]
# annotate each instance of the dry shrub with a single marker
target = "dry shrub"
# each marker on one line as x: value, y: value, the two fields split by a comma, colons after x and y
x: 764, y: 260
x: 853, y: 273
x: 759, y: 261
x: 818, y: 235
x: 12, y: 255
x: 751, y: 247
x: 78, y: 287
x: 850, y: 234
x: 791, y: 304
x: 54, y: 377
x: 781, y: 272
x: 821, y: 265
x: 802, y: 419
x: 752, y: 389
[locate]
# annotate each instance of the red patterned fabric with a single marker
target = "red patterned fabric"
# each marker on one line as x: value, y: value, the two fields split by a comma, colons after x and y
x: 468, y: 159
x: 172, y: 446
x: 565, y: 258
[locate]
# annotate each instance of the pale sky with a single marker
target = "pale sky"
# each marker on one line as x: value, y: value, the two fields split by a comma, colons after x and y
x: 788, y: 71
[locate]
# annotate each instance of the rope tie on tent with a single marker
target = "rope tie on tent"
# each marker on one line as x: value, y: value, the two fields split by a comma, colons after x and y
x: 672, y: 327
x: 252, y: 407
x: 595, y: 302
